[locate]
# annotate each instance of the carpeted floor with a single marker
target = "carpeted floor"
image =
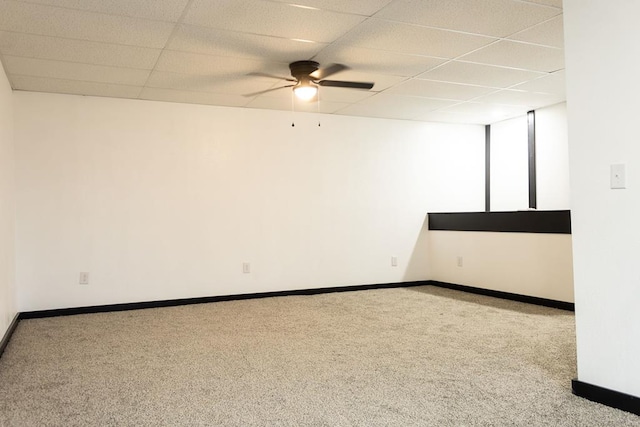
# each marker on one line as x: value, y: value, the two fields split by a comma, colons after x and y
x: 392, y: 357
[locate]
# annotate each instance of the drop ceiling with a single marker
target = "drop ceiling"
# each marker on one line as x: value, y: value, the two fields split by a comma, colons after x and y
x: 460, y: 61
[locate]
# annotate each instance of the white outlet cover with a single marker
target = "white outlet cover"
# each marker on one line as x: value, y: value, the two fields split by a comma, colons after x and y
x: 84, y: 278
x: 618, y: 176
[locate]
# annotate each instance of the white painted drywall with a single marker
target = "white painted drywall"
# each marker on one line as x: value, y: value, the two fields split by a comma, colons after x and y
x: 530, y: 264
x: 455, y: 176
x: 509, y: 165
x: 159, y: 201
x: 537, y: 265
x: 601, y: 42
x: 7, y: 207
x: 552, y: 158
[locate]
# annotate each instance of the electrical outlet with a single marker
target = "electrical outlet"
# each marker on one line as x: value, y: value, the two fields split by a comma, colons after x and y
x: 394, y: 261
x: 459, y: 261
x: 618, y: 176
x: 84, y: 278
x: 246, y: 267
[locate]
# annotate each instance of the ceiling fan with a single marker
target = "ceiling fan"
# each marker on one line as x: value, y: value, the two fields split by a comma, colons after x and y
x: 307, y: 76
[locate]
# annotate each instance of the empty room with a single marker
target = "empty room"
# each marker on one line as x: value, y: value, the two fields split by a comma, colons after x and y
x: 319, y: 213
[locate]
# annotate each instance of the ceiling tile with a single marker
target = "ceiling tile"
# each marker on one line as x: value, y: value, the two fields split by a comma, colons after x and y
x: 519, y: 55
x: 554, y: 3
x: 74, y: 71
x: 479, y: 74
x: 267, y: 103
x: 529, y: 100
x: 75, y: 24
x: 41, y: 84
x: 271, y: 18
x: 491, y: 112
x: 498, y: 18
x: 359, y: 7
x: 147, y: 9
x: 170, y: 95
x: 444, y: 117
x: 376, y: 61
x: 110, y: 47
x: 413, y: 39
x: 336, y: 94
x: 441, y: 90
x: 212, y: 41
x: 204, y: 83
x: 394, y: 106
x: 34, y: 46
x: 549, y: 33
x: 479, y: 118
x: 551, y: 83
x: 216, y: 66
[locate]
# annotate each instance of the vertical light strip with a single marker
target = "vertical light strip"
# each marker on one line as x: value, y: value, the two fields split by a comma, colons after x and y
x: 487, y: 168
x: 531, y: 125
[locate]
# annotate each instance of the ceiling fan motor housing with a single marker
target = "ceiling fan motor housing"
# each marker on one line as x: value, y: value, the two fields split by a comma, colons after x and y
x: 300, y: 70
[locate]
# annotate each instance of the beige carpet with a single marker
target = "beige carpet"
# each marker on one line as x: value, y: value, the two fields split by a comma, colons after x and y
x: 391, y: 357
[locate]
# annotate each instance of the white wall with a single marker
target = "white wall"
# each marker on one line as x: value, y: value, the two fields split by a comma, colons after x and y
x: 159, y: 200
x: 537, y: 265
x: 455, y: 173
x: 552, y: 158
x: 509, y: 165
x: 602, y: 102
x: 7, y: 207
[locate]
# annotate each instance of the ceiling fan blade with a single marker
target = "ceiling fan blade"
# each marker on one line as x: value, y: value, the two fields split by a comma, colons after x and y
x: 271, y: 76
x: 248, y: 95
x: 323, y: 73
x: 351, y: 85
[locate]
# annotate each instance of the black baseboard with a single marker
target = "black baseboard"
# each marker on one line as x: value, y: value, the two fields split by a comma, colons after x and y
x: 562, y: 305
x: 615, y: 399
x: 313, y: 291
x: 7, y: 335
x: 203, y: 300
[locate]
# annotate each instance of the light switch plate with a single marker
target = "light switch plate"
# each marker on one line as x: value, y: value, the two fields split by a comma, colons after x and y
x: 618, y: 176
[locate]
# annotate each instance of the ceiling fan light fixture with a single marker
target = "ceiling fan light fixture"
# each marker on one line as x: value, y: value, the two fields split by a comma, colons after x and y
x: 307, y: 77
x: 305, y: 91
